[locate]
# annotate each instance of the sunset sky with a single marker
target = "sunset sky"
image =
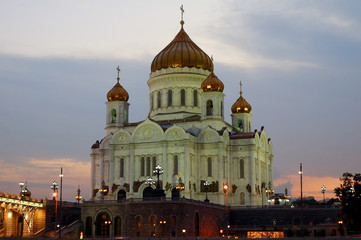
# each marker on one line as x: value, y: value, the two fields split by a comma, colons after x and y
x: 299, y: 62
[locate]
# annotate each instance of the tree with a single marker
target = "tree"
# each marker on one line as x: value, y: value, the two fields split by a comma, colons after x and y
x: 349, y: 194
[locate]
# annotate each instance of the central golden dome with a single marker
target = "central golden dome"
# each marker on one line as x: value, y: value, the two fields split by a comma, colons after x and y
x: 182, y: 52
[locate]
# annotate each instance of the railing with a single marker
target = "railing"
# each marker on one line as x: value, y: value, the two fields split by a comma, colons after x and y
x: 153, y: 200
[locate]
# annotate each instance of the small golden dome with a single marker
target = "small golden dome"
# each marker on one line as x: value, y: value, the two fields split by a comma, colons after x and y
x: 241, y: 105
x: 182, y: 52
x: 212, y: 84
x: 117, y: 93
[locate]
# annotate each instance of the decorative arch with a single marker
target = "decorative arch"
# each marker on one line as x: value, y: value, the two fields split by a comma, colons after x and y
x: 120, y: 136
x: 121, y: 195
x: 209, y: 108
x: 148, y: 131
x: 102, y: 224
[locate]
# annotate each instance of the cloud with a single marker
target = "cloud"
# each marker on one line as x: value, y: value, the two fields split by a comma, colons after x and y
x: 311, y: 186
x: 40, y: 173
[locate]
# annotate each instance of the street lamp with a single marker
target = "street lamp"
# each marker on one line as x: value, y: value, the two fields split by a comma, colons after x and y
x: 61, y: 198
x: 78, y: 197
x: 158, y: 171
x: 323, y: 190
x: 206, y: 184
x: 301, y: 173
x: 55, y: 187
x: 150, y: 181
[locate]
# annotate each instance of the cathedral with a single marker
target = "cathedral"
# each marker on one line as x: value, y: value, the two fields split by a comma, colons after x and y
x: 197, y: 154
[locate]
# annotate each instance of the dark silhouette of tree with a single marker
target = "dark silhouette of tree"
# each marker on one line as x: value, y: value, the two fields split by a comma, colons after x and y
x: 349, y: 194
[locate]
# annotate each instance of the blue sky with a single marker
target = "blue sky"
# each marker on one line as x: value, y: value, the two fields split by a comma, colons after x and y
x: 299, y: 61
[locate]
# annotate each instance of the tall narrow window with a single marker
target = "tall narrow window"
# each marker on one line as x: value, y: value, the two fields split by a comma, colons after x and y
x: 242, y: 199
x: 159, y: 99
x: 154, y: 163
x: 170, y: 98
x: 121, y: 166
x: 148, y: 166
x: 221, y: 109
x: 241, y: 168
x: 125, y: 116
x: 183, y: 97
x: 175, y: 165
x: 113, y: 115
x: 209, y: 108
x: 240, y: 125
x: 209, y: 166
x: 195, y: 98
x: 142, y: 164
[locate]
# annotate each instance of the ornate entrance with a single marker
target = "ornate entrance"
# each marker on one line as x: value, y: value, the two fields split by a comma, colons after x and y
x: 103, y: 225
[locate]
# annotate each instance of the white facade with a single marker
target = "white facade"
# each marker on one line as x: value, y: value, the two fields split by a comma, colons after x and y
x: 187, y: 141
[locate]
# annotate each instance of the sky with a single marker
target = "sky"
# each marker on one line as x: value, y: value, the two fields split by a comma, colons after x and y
x: 299, y: 62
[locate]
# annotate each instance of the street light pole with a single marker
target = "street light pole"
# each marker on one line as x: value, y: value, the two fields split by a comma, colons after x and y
x: 55, y: 187
x: 323, y: 190
x: 61, y: 199
x: 206, y: 184
x: 301, y: 173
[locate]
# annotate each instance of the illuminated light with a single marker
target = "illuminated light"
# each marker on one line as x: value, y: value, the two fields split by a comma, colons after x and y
x: 245, y: 109
x: 238, y: 109
x: 183, y: 230
x: 209, y: 86
x: 9, y: 214
x: 81, y: 235
x: 340, y: 222
x: 221, y: 231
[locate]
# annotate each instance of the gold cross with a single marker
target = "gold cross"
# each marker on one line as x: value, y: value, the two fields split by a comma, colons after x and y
x: 182, y: 11
x: 118, y: 69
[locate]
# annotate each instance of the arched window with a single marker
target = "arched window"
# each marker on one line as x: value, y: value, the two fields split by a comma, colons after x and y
x: 121, y: 167
x: 241, y: 168
x: 240, y: 125
x: 113, y: 115
x: 170, y: 98
x: 117, y: 226
x: 159, y: 99
x: 175, y: 165
x: 154, y: 164
x: 209, y: 166
x: 148, y: 166
x: 222, y: 109
x: 242, y: 200
x: 183, y: 97
x: 195, y: 98
x: 88, y: 227
x: 125, y: 116
x: 142, y: 164
x: 209, y: 108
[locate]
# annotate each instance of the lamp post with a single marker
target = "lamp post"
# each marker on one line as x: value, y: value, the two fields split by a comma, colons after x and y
x: 78, y: 197
x: 301, y: 173
x: 158, y: 171
x: 150, y: 181
x: 206, y: 184
x: 55, y: 187
x: 323, y: 190
x: 61, y: 199
x: 225, y: 190
x: 158, y: 192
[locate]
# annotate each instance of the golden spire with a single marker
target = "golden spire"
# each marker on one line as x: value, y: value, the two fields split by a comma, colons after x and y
x: 241, y: 105
x: 118, y: 93
x: 182, y: 12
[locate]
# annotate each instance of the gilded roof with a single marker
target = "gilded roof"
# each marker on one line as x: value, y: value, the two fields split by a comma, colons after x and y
x: 212, y: 84
x: 182, y: 52
x: 117, y: 93
x: 241, y: 105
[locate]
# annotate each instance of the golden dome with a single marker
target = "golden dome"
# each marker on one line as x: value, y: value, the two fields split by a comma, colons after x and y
x: 117, y: 93
x: 212, y: 84
x: 182, y: 52
x: 241, y: 105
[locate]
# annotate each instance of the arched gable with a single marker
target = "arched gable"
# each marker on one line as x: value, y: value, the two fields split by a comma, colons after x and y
x: 104, y: 144
x: 209, y: 135
x: 148, y: 131
x: 121, y: 137
x: 175, y: 133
